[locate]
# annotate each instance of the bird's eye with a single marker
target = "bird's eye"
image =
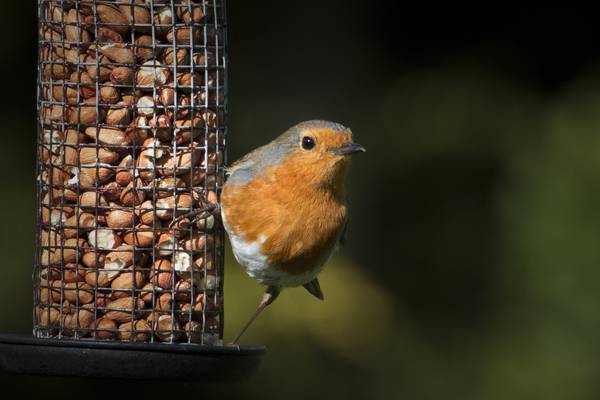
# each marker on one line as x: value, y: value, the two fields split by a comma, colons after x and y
x: 308, y: 143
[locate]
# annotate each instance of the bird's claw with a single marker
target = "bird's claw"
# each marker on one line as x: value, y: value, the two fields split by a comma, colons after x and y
x: 201, y: 213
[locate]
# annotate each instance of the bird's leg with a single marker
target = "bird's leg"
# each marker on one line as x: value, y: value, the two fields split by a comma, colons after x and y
x: 270, y: 295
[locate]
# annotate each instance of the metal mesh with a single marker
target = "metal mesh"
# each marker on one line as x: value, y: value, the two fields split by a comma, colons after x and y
x: 132, y: 106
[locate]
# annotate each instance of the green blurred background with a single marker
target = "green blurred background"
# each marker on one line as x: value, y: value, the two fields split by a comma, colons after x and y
x: 472, y: 263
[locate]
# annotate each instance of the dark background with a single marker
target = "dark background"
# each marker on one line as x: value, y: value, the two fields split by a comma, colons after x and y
x: 472, y: 263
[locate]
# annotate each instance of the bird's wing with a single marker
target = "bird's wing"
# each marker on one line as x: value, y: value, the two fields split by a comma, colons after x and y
x: 247, y: 167
x: 342, y: 241
x: 242, y: 163
x: 258, y: 160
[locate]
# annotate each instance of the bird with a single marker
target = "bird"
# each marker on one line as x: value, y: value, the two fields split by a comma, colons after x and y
x: 283, y: 207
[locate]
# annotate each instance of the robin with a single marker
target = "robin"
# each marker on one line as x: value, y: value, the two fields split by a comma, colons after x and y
x: 284, y: 207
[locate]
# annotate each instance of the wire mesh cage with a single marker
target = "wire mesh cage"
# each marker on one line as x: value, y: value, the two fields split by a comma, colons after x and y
x: 132, y: 126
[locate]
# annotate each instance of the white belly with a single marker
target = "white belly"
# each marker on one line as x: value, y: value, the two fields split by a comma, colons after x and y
x: 256, y: 265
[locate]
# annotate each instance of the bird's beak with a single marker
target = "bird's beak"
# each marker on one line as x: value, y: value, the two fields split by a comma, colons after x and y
x: 347, y: 149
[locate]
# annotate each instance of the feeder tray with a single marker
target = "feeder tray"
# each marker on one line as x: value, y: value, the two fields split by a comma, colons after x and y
x: 23, y: 354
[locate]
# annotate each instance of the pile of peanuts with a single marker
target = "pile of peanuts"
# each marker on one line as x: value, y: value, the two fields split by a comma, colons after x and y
x: 131, y: 107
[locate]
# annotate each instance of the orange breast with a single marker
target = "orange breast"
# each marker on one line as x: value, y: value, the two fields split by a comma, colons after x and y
x: 299, y: 222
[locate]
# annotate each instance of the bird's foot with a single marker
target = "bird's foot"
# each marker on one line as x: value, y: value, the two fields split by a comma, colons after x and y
x: 197, y: 216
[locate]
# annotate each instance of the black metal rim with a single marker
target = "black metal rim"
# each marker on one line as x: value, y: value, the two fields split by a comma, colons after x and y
x: 16, y: 339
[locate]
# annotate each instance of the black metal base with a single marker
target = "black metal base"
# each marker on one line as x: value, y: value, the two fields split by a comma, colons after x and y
x: 24, y: 354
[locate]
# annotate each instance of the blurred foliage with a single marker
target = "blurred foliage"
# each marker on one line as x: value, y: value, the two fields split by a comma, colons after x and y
x: 471, y: 265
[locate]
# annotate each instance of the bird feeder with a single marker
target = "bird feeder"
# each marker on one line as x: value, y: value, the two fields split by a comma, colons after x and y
x: 132, y: 128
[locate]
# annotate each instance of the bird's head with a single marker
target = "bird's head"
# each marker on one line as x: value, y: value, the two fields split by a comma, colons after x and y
x: 319, y: 151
